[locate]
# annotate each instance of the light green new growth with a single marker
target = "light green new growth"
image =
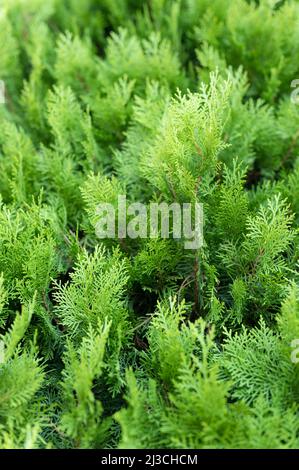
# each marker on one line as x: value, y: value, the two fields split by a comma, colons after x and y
x: 141, y: 343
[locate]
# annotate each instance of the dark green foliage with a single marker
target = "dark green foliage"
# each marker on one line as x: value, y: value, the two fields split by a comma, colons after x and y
x: 142, y: 343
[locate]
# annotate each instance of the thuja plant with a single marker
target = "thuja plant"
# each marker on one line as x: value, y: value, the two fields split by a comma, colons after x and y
x: 128, y: 337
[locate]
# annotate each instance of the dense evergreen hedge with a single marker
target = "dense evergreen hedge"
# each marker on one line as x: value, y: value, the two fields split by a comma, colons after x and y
x: 142, y: 343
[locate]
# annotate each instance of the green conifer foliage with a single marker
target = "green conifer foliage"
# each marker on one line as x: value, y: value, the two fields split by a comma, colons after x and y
x: 139, y: 342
